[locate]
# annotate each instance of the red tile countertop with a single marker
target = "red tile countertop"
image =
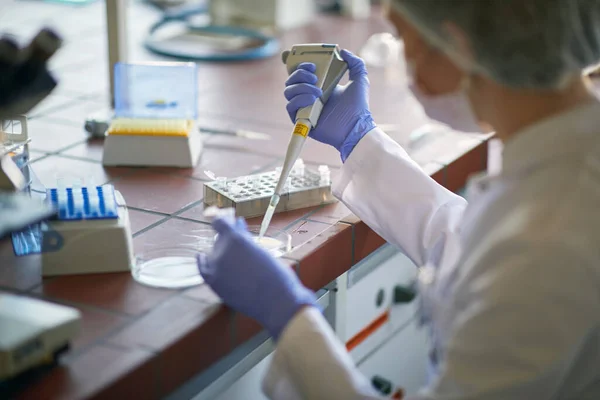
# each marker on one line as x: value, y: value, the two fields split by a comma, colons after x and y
x: 143, y: 343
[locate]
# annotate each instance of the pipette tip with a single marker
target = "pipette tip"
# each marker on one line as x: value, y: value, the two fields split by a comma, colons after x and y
x: 268, y: 216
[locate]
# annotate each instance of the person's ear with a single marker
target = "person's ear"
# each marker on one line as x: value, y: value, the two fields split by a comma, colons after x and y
x: 444, y: 70
x: 414, y: 45
x: 385, y: 9
x: 461, y: 51
x: 435, y: 72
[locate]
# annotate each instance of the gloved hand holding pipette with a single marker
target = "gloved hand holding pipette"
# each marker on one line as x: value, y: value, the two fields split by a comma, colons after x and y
x: 346, y: 117
x: 323, y: 66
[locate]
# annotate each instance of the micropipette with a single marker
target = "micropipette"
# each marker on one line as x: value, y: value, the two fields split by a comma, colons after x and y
x: 330, y: 68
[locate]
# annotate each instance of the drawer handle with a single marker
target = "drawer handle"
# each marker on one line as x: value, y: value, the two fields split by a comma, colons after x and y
x: 380, y: 298
x: 382, y: 385
x: 404, y: 294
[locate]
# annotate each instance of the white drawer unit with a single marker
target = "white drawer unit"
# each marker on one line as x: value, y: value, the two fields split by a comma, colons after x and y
x: 374, y: 308
x: 399, y: 366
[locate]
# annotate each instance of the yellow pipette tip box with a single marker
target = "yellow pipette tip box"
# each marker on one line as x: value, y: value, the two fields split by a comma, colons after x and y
x: 150, y: 127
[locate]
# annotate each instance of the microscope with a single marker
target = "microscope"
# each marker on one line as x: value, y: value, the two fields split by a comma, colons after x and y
x: 34, y: 333
x: 24, y: 82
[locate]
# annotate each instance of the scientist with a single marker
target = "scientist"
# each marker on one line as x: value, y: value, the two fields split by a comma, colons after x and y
x: 510, y: 283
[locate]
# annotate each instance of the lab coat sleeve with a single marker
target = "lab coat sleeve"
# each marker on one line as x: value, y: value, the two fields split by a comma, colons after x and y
x: 390, y: 192
x: 311, y: 363
x: 518, y: 324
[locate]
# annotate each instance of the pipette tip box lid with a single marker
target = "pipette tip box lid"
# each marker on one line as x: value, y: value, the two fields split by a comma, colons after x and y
x: 86, y: 203
x: 156, y: 91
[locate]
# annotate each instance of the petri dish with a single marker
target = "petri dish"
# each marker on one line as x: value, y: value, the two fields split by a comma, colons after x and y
x: 175, y: 267
x: 275, y: 241
x: 168, y: 267
x: 202, y: 239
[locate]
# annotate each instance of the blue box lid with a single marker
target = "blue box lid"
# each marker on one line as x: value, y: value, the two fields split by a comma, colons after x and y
x: 97, y: 202
x: 156, y: 90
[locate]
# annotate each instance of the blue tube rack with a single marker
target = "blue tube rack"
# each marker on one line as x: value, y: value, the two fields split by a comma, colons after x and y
x: 82, y: 208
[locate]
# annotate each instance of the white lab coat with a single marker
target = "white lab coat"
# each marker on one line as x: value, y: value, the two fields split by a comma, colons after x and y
x: 516, y: 315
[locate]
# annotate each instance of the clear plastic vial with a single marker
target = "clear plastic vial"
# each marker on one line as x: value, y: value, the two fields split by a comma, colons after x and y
x: 325, y: 174
x: 77, y: 185
x: 108, y: 195
x: 94, y: 200
x: 61, y: 184
x: 256, y: 183
x: 235, y: 189
x: 222, y: 182
x: 90, y: 182
x: 61, y: 191
x: 76, y: 189
x: 299, y: 168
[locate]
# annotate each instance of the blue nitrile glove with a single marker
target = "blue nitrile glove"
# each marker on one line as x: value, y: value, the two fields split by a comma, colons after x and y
x: 346, y: 117
x: 250, y: 280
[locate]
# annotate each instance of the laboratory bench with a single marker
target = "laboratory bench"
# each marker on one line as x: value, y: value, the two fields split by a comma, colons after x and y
x: 146, y: 343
